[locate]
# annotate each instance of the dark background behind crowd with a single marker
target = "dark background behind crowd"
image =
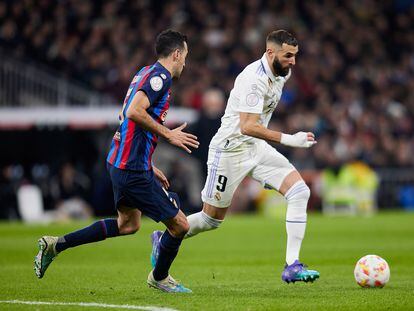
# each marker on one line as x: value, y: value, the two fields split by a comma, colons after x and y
x: 352, y: 84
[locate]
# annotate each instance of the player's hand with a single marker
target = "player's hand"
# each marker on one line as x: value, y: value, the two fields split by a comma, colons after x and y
x: 300, y: 139
x: 182, y: 139
x: 161, y: 177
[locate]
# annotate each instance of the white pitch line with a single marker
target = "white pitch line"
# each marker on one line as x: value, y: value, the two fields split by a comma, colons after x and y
x: 87, y: 304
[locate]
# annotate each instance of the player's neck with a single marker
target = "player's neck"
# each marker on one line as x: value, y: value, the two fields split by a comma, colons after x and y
x: 167, y: 64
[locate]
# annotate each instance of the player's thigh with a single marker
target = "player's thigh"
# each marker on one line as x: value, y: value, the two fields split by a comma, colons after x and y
x: 129, y: 219
x: 140, y: 192
x: 226, y: 170
x: 291, y: 179
x: 272, y: 168
x: 144, y: 192
x: 178, y: 225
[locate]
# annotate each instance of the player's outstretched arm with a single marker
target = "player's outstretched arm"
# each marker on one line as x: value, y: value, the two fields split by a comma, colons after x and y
x: 182, y: 139
x: 137, y: 112
x: 249, y: 125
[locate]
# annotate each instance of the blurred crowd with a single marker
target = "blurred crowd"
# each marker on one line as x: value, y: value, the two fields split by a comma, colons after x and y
x: 351, y: 84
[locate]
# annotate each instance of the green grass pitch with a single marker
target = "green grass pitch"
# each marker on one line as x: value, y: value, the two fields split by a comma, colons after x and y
x: 237, y: 267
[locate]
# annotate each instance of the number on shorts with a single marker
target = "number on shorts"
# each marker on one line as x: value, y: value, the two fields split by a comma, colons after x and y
x: 222, y: 180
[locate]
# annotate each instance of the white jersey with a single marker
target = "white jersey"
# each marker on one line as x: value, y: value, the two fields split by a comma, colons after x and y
x: 256, y: 90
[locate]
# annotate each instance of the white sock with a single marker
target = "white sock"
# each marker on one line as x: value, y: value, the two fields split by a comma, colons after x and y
x: 297, y: 197
x: 200, y: 222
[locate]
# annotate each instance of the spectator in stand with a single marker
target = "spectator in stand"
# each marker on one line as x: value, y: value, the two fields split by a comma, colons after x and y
x: 10, y: 180
x: 70, y: 190
x: 213, y: 104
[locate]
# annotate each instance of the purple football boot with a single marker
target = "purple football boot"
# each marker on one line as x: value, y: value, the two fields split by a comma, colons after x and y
x: 298, y: 272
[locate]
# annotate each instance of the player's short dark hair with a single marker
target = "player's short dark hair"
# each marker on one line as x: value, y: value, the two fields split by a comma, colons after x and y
x: 168, y: 41
x: 281, y: 36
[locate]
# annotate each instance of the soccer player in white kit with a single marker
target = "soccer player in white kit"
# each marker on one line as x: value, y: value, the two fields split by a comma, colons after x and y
x: 240, y: 149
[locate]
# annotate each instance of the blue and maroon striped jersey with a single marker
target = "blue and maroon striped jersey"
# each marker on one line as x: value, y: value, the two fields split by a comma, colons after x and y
x: 132, y: 146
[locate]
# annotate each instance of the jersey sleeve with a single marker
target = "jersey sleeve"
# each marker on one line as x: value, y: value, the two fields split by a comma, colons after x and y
x: 155, y: 86
x: 251, y: 94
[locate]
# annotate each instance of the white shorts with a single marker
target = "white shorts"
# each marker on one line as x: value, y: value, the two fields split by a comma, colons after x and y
x: 227, y: 169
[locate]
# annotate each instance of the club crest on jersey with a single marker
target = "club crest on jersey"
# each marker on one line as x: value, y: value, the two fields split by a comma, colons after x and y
x: 156, y: 83
x: 252, y: 99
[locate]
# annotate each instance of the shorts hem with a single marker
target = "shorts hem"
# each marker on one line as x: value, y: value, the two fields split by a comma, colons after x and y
x: 165, y: 218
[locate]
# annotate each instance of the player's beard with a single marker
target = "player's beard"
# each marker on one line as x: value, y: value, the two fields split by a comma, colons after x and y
x: 279, y: 69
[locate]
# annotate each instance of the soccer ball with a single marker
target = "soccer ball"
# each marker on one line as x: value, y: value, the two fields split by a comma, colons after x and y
x: 372, y: 271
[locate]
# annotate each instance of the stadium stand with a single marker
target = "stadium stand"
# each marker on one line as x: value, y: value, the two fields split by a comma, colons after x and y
x: 351, y: 84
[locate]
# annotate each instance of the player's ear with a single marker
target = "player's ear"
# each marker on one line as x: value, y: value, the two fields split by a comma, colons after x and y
x: 270, y: 51
x: 176, y: 54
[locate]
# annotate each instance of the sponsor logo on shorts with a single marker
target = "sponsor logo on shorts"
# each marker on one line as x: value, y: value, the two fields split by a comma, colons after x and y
x: 217, y: 196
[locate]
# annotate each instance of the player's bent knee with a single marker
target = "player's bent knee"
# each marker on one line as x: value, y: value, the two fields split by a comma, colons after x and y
x: 126, y: 229
x: 184, y: 228
x: 179, y: 231
x: 179, y: 227
x: 297, y: 197
x: 298, y: 192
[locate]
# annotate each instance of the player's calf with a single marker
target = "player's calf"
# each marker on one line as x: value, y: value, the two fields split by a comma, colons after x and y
x: 200, y: 222
x: 128, y: 221
x: 297, y: 198
x: 167, y: 246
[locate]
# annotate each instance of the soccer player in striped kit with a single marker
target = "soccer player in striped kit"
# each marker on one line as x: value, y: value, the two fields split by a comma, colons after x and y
x: 139, y: 187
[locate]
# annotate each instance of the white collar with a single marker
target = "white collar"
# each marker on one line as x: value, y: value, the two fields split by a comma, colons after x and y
x: 268, y: 71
